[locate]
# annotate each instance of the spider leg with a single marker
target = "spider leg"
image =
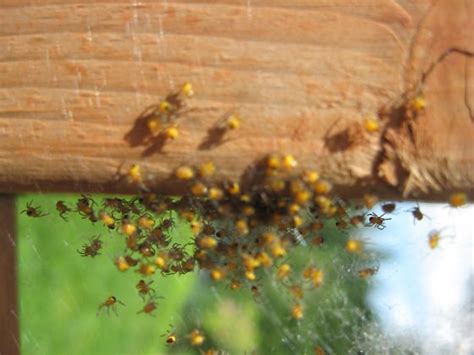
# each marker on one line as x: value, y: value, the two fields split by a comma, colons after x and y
x: 114, y: 309
x: 99, y: 309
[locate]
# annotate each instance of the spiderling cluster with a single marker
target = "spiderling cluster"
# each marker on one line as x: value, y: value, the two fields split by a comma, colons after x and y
x: 241, y: 229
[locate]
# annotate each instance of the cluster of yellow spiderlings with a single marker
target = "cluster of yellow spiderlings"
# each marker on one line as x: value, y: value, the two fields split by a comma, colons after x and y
x: 163, y: 119
x: 237, y: 230
x: 240, y: 229
x: 158, y: 124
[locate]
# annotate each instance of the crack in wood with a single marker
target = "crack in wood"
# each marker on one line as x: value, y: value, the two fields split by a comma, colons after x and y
x: 412, y: 44
x: 441, y: 58
x: 466, y: 89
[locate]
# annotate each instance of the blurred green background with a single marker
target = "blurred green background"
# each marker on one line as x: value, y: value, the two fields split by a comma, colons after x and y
x: 60, y: 292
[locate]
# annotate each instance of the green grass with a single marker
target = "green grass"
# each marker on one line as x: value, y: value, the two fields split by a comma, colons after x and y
x: 60, y: 290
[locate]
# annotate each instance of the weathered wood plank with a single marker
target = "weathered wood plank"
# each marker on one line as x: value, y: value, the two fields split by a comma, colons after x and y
x: 74, y: 76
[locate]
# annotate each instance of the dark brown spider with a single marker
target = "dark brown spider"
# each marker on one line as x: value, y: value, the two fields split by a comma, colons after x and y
x: 377, y: 221
x: 62, y: 209
x: 144, y: 288
x: 150, y: 306
x: 91, y: 249
x: 33, y: 211
x: 389, y: 207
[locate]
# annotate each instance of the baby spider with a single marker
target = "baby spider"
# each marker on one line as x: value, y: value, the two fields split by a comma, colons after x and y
x: 458, y: 199
x: 62, y: 209
x: 256, y: 294
x: 33, y: 211
x: 367, y: 272
x: 417, y: 214
x: 377, y: 221
x: 170, y: 336
x: 196, y: 337
x: 318, y: 350
x: 144, y: 288
x: 91, y: 249
x: 297, y: 311
x: 357, y: 220
x: 84, y: 208
x: 216, y: 134
x: 167, y: 224
x: 150, y: 306
x: 434, y: 237
x: 210, y: 351
x: 389, y: 207
x: 354, y: 245
x: 110, y: 302
x: 84, y: 202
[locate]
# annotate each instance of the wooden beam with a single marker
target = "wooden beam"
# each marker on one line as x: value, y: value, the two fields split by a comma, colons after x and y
x: 9, y: 339
x: 77, y: 74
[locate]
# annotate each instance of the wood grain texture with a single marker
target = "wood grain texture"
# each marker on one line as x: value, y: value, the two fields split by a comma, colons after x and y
x: 75, y: 75
x: 9, y: 339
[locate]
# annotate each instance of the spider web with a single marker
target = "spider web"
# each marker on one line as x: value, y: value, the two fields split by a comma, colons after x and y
x: 60, y: 292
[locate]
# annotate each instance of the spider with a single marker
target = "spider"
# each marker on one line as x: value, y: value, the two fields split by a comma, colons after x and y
x: 107, y: 219
x: 84, y: 208
x: 158, y: 238
x: 177, y: 252
x: 150, y: 306
x: 62, y: 209
x: 417, y: 214
x: 33, y: 211
x: 216, y: 134
x: 377, y: 221
x: 167, y: 224
x: 367, y: 272
x: 389, y: 207
x: 170, y: 335
x: 357, y: 219
x: 433, y: 239
x: 83, y: 203
x: 256, y: 293
x: 146, y: 249
x: 110, y: 302
x: 144, y: 288
x: 91, y: 249
x: 117, y: 204
x: 297, y: 311
x: 196, y: 337
x: 458, y: 199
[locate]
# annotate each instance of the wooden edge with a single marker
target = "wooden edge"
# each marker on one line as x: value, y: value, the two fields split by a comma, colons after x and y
x: 9, y: 334
x: 74, y: 98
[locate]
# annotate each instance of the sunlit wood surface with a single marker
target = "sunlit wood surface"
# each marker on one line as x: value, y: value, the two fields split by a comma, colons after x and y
x: 75, y: 75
